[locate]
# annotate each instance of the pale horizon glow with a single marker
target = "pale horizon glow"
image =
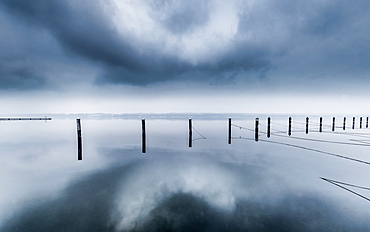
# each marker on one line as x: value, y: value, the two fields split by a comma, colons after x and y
x: 192, y: 103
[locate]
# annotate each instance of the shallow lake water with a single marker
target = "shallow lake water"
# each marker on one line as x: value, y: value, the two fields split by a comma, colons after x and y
x: 270, y: 185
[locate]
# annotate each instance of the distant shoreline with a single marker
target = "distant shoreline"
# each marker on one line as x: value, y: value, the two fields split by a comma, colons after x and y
x: 167, y: 116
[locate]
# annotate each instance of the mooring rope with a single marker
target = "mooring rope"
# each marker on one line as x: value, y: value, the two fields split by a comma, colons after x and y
x: 349, y: 190
x: 306, y: 139
x: 322, y: 141
x: 349, y: 133
x: 241, y: 127
x: 310, y: 149
x: 292, y: 126
x: 361, y: 141
x: 202, y: 136
x: 352, y: 185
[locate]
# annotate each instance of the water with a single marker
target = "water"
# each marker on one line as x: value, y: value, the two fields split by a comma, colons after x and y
x: 213, y: 186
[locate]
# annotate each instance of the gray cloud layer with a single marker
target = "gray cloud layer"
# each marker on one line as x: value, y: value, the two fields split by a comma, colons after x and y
x: 149, y: 42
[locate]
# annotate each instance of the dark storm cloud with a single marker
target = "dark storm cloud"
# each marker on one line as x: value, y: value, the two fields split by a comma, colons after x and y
x: 79, y: 27
x: 166, y: 70
x: 185, y: 41
x: 20, y: 78
x: 84, y: 30
x: 17, y: 69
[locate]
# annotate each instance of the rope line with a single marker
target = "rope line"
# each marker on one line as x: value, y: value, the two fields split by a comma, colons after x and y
x: 329, y: 126
x: 365, y: 144
x: 302, y: 123
x: 202, y: 136
x: 293, y: 127
x: 351, y: 191
x: 361, y: 141
x: 241, y: 127
x: 352, y: 185
x: 277, y: 124
x: 323, y: 141
x: 349, y: 133
x: 311, y: 149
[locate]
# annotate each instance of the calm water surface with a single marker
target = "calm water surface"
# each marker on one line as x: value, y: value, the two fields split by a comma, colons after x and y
x: 213, y: 186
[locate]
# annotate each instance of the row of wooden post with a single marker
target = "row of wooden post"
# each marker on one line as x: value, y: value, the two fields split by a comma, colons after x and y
x: 143, y: 137
x: 256, y: 130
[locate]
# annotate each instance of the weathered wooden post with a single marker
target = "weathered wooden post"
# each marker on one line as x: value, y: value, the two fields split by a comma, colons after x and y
x: 320, y: 130
x: 143, y: 136
x: 367, y: 122
x: 344, y: 123
x: 333, y: 127
x: 268, y: 127
x: 229, y: 137
x: 256, y: 130
x: 353, y: 123
x: 79, y: 139
x: 290, y: 126
x: 360, y: 122
x: 190, y: 133
x: 307, y: 125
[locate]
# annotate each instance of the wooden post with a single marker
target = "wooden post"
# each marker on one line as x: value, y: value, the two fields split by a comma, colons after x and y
x: 268, y: 127
x: 320, y: 125
x: 190, y: 133
x: 290, y: 126
x: 353, y: 124
x: 360, y: 122
x: 333, y: 127
x: 79, y: 139
x: 367, y: 122
x: 143, y: 136
x: 344, y: 123
x: 256, y: 130
x: 229, y: 137
x: 307, y: 125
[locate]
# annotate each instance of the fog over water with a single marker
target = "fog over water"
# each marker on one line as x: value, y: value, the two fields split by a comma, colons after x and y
x: 213, y: 186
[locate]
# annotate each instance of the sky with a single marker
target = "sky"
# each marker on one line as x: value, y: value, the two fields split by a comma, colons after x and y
x: 112, y: 56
